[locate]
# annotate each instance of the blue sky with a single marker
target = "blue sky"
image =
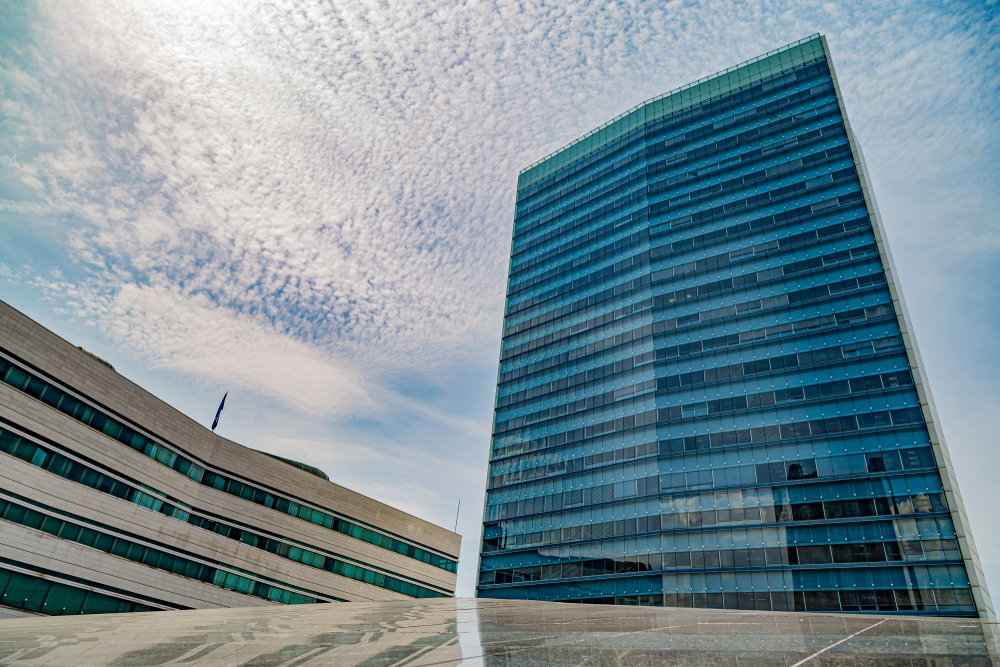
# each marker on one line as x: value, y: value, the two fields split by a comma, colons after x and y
x: 309, y: 204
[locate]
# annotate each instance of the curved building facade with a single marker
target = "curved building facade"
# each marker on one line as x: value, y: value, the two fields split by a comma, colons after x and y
x: 112, y: 501
x: 709, y: 391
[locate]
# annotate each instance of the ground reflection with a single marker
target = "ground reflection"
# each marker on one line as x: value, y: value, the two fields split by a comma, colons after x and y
x: 491, y: 633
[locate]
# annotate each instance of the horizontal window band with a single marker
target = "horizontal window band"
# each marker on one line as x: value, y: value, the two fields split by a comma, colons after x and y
x: 576, y: 235
x: 798, y: 328
x: 803, y: 395
x: 147, y: 552
x: 500, y: 534
x: 756, y: 160
x: 765, y: 178
x: 540, y: 442
x: 568, y: 215
x: 583, y: 283
x: 901, y: 555
x: 895, y: 579
x: 31, y: 383
x: 740, y: 230
x: 284, y: 547
x: 771, y: 128
x: 624, y: 171
x: 607, y: 243
x: 660, y: 276
x: 526, y: 337
x: 812, y: 81
x: 732, y: 476
x: 800, y: 297
x: 552, y: 468
x: 663, y: 329
x: 109, y: 599
x: 746, y: 229
x: 826, y: 110
x: 658, y: 483
x: 528, y: 225
x: 730, y: 342
x: 660, y: 306
x: 639, y: 182
x: 752, y: 559
x: 621, y: 195
x: 816, y: 473
x: 568, y: 245
x: 848, y: 200
x: 915, y: 602
x: 804, y: 359
x: 735, y: 342
x: 640, y: 259
x: 703, y: 113
x: 819, y: 83
x: 774, y: 197
x: 136, y: 493
x: 551, y: 418
x: 710, y: 263
x: 707, y: 522
x: 900, y: 462
x: 661, y: 355
x: 618, y: 206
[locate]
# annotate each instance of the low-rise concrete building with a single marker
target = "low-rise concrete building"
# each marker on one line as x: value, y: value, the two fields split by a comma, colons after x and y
x: 111, y: 500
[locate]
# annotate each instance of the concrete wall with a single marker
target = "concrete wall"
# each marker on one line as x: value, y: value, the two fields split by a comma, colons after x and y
x: 79, y: 374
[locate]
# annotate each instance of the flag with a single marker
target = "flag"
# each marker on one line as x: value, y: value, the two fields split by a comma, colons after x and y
x: 217, y: 414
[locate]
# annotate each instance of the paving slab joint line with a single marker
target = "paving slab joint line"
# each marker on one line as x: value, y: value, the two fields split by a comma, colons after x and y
x: 582, y: 639
x: 186, y: 657
x: 821, y: 651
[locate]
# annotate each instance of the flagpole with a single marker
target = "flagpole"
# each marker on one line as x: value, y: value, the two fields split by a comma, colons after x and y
x: 218, y: 413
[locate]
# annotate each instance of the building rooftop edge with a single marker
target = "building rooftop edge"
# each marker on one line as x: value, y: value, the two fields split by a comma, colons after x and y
x: 665, y: 104
x: 312, y: 470
x: 76, y: 350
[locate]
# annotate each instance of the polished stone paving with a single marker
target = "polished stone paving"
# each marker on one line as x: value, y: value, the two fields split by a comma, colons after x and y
x: 419, y: 633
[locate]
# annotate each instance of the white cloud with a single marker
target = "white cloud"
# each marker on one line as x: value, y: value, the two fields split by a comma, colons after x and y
x: 344, y: 172
x: 193, y: 336
x: 24, y: 207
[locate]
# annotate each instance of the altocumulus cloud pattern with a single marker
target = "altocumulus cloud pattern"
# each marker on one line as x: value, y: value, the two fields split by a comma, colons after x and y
x: 315, y: 198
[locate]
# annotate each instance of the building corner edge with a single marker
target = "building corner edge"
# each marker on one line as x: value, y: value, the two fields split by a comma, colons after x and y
x: 977, y: 579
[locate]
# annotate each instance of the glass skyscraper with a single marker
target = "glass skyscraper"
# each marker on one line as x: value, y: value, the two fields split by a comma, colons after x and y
x: 709, y: 393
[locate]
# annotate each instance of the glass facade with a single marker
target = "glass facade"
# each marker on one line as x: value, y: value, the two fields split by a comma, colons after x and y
x: 707, y: 393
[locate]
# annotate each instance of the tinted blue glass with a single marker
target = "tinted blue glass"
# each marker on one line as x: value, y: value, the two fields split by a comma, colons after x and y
x: 703, y: 396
